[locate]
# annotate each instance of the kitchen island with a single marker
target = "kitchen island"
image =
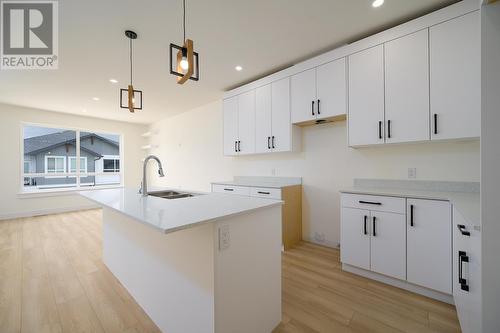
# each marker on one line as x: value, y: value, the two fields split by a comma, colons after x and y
x: 206, y: 263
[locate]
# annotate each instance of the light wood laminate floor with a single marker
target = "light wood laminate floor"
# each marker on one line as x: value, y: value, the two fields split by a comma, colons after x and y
x: 52, y: 279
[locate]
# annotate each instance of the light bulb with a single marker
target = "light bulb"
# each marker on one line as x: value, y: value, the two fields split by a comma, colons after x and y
x: 377, y: 3
x: 184, y: 64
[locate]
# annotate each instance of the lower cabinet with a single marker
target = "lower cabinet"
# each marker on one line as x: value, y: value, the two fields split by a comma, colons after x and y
x: 429, y: 244
x: 406, y: 239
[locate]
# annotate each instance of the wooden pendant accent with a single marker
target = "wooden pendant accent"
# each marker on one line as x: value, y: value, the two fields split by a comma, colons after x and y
x: 188, y: 44
x: 131, y: 98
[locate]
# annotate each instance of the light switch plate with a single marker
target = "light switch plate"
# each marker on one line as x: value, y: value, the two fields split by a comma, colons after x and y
x: 224, y: 238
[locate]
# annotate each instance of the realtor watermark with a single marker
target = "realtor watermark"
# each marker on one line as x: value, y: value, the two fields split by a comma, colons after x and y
x: 29, y: 34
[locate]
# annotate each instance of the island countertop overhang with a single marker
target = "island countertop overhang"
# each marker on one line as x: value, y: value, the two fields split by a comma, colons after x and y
x: 170, y: 215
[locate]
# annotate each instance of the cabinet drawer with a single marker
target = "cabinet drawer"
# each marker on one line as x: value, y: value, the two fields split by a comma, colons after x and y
x: 230, y: 189
x: 263, y: 192
x: 374, y: 203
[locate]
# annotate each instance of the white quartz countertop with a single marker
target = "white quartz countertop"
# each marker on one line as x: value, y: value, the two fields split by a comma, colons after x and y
x: 259, y: 183
x: 467, y: 204
x: 170, y: 215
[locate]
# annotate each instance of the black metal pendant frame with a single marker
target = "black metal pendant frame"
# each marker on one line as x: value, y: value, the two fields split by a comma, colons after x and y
x: 196, y: 74
x: 126, y: 102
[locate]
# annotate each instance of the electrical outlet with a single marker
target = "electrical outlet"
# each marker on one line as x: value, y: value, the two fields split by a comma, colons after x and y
x: 224, y: 239
x: 412, y: 173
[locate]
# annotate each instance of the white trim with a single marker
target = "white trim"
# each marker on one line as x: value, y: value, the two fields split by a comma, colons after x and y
x: 55, y: 157
x: 48, y: 211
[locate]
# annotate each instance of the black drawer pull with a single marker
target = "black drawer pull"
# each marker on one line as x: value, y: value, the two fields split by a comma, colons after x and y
x: 411, y: 216
x: 380, y: 130
x: 374, y: 225
x: 365, y: 231
x: 273, y: 142
x: 389, y: 129
x: 318, y: 107
x: 464, y: 232
x: 435, y: 123
x: 229, y: 189
x: 263, y: 192
x: 370, y: 203
x: 268, y: 142
x: 312, y: 108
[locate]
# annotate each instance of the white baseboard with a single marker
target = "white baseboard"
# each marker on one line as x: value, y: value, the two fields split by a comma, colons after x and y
x: 400, y: 284
x: 48, y: 211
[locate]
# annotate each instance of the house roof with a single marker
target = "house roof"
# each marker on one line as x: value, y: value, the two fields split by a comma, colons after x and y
x: 49, y: 141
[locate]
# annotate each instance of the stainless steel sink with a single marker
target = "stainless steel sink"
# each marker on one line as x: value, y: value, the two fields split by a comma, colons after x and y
x: 171, y: 194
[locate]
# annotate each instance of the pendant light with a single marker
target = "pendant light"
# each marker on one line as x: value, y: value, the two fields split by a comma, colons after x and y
x: 185, y: 65
x: 129, y: 98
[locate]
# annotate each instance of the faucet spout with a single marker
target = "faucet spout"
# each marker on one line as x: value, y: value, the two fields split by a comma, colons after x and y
x: 144, y: 184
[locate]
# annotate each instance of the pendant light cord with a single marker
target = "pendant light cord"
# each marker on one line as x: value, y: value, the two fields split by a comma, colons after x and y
x: 184, y: 18
x: 130, y: 61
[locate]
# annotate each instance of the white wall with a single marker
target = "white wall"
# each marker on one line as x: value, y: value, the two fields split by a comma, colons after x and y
x: 490, y: 165
x: 190, y: 145
x: 11, y: 204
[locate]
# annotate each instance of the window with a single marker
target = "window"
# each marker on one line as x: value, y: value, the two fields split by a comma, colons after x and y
x: 111, y: 165
x: 83, y: 164
x: 55, y: 164
x: 58, y: 158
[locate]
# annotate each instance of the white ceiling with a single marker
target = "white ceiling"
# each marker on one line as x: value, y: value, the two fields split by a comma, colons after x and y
x: 263, y: 36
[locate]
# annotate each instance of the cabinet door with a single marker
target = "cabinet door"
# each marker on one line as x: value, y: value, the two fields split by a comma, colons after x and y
x: 246, y: 123
x: 366, y: 97
x: 303, y: 96
x: 230, y: 115
x: 429, y: 244
x: 331, y: 87
x: 388, y: 244
x: 281, y: 124
x: 455, y: 69
x: 263, y: 117
x: 354, y: 241
x: 407, y: 88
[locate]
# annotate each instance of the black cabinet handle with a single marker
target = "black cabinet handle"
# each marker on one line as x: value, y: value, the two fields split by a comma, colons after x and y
x: 273, y: 142
x: 435, y: 123
x: 411, y: 216
x: 389, y: 129
x: 462, y: 257
x: 263, y: 192
x: 365, y: 231
x: 318, y: 107
x: 464, y: 232
x: 239, y: 145
x: 236, y: 146
x: 268, y: 142
x: 312, y: 108
x: 370, y: 203
x: 380, y: 130
x: 229, y: 189
x: 374, y: 227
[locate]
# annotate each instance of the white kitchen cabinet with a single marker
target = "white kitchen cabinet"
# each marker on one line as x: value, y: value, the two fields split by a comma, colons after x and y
x: 282, y: 134
x: 455, y: 78
x: 407, y: 88
x: 230, y: 114
x: 366, y: 97
x: 355, y: 237
x: 388, y: 244
x: 467, y: 273
x: 263, y: 119
x: 319, y: 93
x: 303, y: 96
x: 429, y: 244
x: 246, y: 123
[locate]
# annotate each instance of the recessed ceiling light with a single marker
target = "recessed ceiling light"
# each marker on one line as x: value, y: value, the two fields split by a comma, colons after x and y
x: 377, y: 3
x: 238, y: 68
x: 113, y: 80
x: 95, y: 98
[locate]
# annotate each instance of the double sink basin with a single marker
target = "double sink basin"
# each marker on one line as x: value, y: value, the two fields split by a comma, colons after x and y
x: 172, y: 194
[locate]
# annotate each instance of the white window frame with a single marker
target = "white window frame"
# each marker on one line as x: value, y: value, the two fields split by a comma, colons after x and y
x: 74, y: 158
x: 54, y: 157
x: 50, y: 190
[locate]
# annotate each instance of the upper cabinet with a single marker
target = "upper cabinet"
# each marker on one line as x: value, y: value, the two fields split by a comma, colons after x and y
x: 366, y: 97
x: 319, y: 93
x: 455, y: 78
x: 239, y: 124
x: 407, y: 88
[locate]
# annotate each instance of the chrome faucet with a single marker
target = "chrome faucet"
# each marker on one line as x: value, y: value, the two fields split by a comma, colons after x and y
x: 144, y: 184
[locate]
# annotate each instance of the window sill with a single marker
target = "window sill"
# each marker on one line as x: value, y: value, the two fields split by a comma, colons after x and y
x: 61, y: 191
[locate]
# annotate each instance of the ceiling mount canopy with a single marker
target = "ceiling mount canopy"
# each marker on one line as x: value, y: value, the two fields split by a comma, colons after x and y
x: 186, y: 64
x: 129, y: 98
